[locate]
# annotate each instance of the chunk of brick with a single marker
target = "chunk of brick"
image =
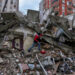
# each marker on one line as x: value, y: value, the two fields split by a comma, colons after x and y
x: 23, y: 68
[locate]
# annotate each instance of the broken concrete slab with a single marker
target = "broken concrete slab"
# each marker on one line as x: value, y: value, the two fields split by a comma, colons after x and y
x: 1, y: 60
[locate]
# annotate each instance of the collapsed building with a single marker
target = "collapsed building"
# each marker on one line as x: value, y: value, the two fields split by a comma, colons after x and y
x: 17, y: 35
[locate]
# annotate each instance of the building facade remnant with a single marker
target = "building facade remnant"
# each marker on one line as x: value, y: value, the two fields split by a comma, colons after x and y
x: 9, y: 5
x: 60, y: 7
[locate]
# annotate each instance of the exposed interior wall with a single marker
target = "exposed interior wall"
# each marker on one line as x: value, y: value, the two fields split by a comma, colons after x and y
x: 27, y: 43
x: 27, y: 38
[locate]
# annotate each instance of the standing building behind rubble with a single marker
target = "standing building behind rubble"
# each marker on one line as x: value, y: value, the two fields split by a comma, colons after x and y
x: 73, y: 1
x: 43, y: 7
x: 9, y: 5
x: 62, y: 7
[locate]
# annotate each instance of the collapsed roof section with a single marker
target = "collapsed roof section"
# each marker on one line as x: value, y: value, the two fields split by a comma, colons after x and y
x: 14, y: 20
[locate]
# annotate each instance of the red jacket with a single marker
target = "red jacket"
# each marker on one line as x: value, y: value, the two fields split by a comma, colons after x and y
x: 37, y: 37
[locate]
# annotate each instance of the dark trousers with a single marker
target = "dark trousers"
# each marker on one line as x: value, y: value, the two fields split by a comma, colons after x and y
x: 33, y: 45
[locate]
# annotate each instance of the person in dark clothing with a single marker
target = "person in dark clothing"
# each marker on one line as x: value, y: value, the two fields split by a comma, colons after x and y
x: 36, y: 41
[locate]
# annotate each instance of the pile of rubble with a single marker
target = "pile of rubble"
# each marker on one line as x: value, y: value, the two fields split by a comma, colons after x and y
x: 53, y: 62
x: 16, y: 37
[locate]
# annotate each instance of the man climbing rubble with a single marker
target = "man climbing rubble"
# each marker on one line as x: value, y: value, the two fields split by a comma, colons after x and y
x: 36, y: 41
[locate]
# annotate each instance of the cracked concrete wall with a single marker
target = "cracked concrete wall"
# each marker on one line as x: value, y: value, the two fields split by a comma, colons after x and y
x: 27, y: 37
x: 27, y: 43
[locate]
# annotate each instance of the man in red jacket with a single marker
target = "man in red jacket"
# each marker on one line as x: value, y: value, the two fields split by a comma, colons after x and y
x: 36, y: 41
